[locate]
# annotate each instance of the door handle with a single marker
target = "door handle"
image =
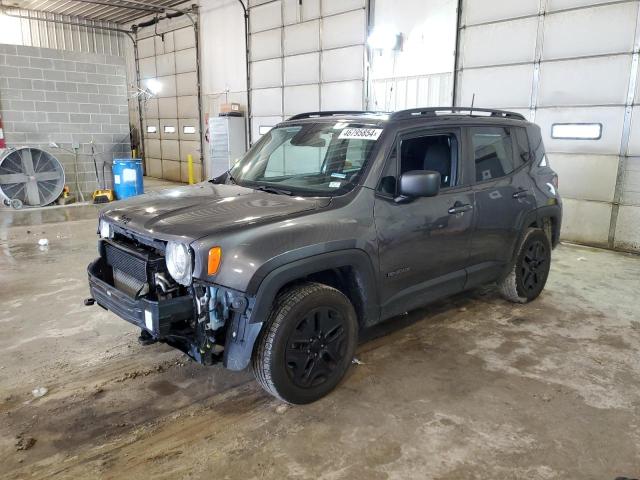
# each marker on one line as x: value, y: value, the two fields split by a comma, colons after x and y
x: 521, y: 194
x: 459, y: 208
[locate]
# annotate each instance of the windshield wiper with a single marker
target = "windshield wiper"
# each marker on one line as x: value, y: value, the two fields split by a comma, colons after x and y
x: 269, y: 189
x: 230, y: 177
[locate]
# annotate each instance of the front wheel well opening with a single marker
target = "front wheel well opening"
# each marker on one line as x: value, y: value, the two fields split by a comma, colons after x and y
x: 343, y: 279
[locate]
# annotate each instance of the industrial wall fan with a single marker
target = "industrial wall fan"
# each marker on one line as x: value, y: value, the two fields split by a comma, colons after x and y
x: 29, y: 176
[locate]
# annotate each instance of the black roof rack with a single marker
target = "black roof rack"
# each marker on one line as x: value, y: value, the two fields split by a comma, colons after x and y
x: 432, y: 112
x: 333, y: 114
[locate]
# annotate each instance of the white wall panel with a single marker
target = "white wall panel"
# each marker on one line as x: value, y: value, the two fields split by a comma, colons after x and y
x: 345, y: 29
x: 165, y: 43
x: 266, y: 16
x: 592, y: 81
x: 187, y: 106
x: 586, y: 222
x: 634, y: 138
x: 299, y: 69
x: 592, y: 31
x: 342, y: 95
x: 296, y: 11
x: 610, y: 117
x: 186, y: 84
x: 167, y: 86
x: 480, y: 11
x: 184, y: 38
x: 147, y: 67
x: 304, y: 98
x: 631, y: 182
x: 497, y: 87
x: 628, y: 228
x: 555, y: 5
x: 267, y: 73
x: 331, y: 7
x: 266, y: 45
x: 146, y: 47
x: 485, y: 44
x: 167, y: 107
x: 302, y: 38
x: 166, y: 64
x: 267, y: 102
x: 186, y: 60
x: 343, y: 64
x: 587, y: 177
x: 260, y: 121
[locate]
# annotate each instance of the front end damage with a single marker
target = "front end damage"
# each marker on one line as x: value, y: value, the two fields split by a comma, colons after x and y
x: 208, y: 322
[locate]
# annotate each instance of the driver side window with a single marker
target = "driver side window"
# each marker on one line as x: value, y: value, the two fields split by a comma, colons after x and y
x: 437, y: 153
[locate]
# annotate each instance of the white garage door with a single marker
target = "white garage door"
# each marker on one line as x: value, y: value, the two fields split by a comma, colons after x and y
x: 305, y: 56
x: 170, y: 119
x: 570, y: 66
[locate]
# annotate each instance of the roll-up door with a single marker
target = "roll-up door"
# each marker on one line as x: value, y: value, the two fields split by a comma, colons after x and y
x: 571, y: 66
x: 305, y: 56
x: 170, y: 117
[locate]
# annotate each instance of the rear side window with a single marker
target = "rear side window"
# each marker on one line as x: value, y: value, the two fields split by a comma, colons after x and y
x: 493, y: 149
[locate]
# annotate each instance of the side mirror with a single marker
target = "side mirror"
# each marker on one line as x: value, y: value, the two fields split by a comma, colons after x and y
x: 419, y: 183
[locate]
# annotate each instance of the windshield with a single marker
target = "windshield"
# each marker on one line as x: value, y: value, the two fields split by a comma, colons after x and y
x: 318, y: 159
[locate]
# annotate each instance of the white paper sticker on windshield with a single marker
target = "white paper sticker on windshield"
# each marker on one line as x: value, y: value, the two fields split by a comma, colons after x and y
x: 335, y: 184
x: 361, y: 133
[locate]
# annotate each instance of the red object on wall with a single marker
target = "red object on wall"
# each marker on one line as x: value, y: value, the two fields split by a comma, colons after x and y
x: 3, y: 144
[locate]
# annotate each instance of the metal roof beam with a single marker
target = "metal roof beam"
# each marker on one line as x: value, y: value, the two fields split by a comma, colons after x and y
x: 137, y: 5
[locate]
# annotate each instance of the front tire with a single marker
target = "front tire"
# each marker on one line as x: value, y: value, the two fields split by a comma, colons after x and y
x: 307, y: 344
x: 529, y: 273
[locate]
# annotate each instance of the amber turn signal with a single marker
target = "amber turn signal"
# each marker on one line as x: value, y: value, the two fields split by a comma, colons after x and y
x: 215, y: 256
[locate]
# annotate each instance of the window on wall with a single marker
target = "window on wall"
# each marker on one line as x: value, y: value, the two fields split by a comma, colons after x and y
x: 576, y: 131
x: 493, y: 152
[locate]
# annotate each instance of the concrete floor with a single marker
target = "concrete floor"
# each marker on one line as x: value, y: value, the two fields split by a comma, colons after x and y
x: 473, y: 387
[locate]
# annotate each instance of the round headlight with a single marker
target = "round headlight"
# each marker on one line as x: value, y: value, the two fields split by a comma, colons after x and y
x: 178, y: 259
x: 105, y: 229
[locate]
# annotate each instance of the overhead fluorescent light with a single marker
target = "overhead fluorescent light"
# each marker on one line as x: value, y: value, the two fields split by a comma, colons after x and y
x: 154, y: 86
x: 383, y: 38
x: 576, y: 131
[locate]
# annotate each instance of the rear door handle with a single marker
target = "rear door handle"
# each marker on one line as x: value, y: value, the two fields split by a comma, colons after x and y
x: 460, y: 209
x: 521, y: 194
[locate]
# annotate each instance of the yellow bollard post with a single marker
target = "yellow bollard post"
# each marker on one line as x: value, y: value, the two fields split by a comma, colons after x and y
x: 190, y: 169
x: 133, y: 153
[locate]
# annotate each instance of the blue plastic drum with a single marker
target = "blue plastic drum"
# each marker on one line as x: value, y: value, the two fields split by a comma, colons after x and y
x: 127, y: 177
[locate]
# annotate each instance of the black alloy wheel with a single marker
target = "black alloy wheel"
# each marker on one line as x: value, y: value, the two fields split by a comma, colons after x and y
x: 316, y: 347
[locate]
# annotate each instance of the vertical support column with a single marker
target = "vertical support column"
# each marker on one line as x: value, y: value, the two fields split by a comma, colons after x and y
x: 537, y: 59
x: 134, y: 39
x: 626, y: 134
x: 196, y: 33
x: 456, y: 55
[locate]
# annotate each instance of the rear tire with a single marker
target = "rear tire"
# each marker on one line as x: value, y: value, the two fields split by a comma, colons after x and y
x: 530, y: 270
x: 307, y: 344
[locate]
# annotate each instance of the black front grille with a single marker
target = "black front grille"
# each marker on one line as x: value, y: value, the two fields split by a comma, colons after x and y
x: 126, y: 262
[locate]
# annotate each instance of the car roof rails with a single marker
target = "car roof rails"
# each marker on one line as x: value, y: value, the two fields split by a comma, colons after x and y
x: 433, y: 112
x: 334, y: 113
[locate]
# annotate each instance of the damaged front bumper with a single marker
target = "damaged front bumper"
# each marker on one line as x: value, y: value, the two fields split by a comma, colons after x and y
x: 156, y: 317
x: 183, y: 321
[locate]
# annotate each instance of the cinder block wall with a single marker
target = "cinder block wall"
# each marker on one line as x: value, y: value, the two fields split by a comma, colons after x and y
x: 69, y: 98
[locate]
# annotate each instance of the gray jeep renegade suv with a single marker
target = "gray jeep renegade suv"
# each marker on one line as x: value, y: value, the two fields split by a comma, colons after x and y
x: 331, y: 223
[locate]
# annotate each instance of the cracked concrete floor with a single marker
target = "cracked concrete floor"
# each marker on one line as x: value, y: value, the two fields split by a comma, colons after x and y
x: 472, y: 387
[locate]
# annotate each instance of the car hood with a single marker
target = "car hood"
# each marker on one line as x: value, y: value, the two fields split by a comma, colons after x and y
x: 192, y: 212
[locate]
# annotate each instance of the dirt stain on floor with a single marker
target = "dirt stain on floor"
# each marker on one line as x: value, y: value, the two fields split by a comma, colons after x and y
x: 471, y: 387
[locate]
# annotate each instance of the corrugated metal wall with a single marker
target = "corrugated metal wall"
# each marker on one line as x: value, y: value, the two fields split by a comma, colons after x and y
x: 567, y: 62
x: 40, y: 31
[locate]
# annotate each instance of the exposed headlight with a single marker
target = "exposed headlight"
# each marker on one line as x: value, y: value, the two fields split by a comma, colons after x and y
x: 179, y: 262
x: 105, y: 229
